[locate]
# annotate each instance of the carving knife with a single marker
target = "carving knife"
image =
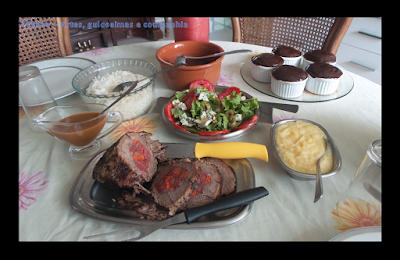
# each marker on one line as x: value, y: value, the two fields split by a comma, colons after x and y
x: 189, y: 215
x: 224, y: 150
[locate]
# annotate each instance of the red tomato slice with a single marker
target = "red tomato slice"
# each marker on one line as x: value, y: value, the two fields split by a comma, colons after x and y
x: 168, y: 112
x: 246, y: 123
x: 202, y: 83
x: 212, y: 133
x: 171, y: 117
x: 228, y: 91
x: 189, y: 99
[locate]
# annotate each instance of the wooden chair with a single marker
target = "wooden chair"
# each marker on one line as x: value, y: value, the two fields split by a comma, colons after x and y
x: 303, y: 33
x: 39, y: 42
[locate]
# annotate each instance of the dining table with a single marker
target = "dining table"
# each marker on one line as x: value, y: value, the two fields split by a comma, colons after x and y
x: 47, y: 173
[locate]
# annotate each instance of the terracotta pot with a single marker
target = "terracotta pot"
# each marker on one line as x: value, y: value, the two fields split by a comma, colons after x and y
x: 180, y: 78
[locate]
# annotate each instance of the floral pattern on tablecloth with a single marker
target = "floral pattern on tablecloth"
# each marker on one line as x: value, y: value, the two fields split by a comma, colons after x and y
x: 134, y: 125
x: 224, y: 80
x: 357, y: 215
x: 282, y: 117
x: 22, y: 114
x: 30, y: 189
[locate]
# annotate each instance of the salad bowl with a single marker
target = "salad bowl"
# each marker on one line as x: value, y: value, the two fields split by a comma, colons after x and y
x: 264, y: 113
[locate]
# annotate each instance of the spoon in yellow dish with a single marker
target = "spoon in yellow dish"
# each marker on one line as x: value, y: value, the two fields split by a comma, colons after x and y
x: 318, y: 189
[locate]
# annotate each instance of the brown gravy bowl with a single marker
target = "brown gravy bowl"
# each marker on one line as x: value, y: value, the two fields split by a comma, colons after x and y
x: 80, y: 134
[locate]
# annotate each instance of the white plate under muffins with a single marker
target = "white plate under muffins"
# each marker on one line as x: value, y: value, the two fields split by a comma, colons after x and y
x: 345, y: 86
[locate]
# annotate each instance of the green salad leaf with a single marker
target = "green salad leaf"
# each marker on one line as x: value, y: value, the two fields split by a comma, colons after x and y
x: 197, y: 108
x: 180, y: 94
x: 177, y: 112
x: 249, y: 107
x: 232, y: 101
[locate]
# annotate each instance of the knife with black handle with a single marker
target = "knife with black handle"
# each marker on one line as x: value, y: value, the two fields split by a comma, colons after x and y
x: 231, y: 201
x: 189, y: 215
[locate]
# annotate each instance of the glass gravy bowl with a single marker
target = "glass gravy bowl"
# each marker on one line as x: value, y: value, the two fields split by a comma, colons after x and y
x: 79, y: 125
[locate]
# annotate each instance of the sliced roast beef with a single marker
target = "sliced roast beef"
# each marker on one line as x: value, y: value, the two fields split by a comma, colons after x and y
x: 172, y: 185
x: 143, y: 205
x: 206, y: 189
x: 131, y: 160
x: 227, y: 175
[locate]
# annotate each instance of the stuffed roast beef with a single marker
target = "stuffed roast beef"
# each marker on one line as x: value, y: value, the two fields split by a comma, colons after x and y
x: 174, y: 184
x: 144, y: 206
x: 188, y: 183
x: 129, y: 162
x: 228, y: 177
x: 207, y: 188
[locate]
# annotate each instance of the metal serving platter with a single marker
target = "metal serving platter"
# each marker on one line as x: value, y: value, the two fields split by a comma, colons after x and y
x: 337, y: 160
x: 94, y: 200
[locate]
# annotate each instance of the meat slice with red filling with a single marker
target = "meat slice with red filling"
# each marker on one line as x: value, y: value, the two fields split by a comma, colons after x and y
x: 228, y: 177
x: 143, y: 205
x: 206, y: 189
x: 185, y: 183
x: 172, y: 185
x: 129, y: 162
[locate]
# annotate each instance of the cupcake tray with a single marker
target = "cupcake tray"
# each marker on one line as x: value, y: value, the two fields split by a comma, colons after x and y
x: 346, y: 85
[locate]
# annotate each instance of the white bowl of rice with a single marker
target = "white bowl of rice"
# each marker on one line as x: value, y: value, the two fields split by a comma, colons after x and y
x: 96, y: 82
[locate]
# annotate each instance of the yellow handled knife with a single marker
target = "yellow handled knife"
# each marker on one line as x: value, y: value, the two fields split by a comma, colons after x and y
x: 225, y: 150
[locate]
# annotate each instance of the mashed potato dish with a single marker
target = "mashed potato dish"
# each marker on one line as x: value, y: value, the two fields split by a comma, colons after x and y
x: 300, y: 145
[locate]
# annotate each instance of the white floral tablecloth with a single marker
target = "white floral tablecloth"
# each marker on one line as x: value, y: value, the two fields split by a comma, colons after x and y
x: 47, y: 173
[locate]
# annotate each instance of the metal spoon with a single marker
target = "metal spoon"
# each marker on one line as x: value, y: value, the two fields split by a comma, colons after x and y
x: 122, y: 85
x: 183, y: 58
x: 133, y: 84
x: 318, y: 188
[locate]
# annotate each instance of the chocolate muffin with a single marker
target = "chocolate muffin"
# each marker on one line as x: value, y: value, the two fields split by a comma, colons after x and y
x: 267, y: 60
x: 323, y: 70
x: 286, y: 51
x: 289, y: 73
x: 262, y: 64
x: 318, y: 56
x: 324, y: 78
x: 288, y: 81
x: 290, y: 55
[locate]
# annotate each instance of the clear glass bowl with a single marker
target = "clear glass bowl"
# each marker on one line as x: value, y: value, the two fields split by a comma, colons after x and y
x: 136, y: 103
